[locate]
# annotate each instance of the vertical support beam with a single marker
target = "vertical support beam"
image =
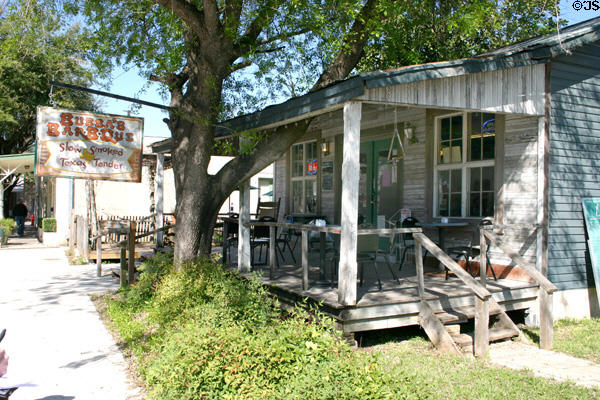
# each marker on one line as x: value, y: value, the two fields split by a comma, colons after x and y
x: 158, y: 197
x: 72, y: 231
x: 349, y: 218
x: 482, y: 334
x: 420, y: 272
x: 305, y: 260
x: 543, y: 171
x: 123, y: 277
x: 272, y: 251
x: 546, y: 320
x: 482, y: 257
x: 99, y: 253
x: 131, y: 245
x: 244, y: 262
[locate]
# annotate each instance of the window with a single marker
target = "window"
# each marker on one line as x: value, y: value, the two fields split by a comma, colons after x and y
x: 304, y: 169
x: 265, y: 189
x: 465, y: 148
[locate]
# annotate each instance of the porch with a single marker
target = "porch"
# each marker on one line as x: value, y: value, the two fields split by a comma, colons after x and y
x: 397, y: 303
x: 417, y: 297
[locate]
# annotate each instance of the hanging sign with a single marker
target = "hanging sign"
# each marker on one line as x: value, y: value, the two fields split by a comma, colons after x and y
x: 312, y: 167
x: 81, y: 144
x: 591, y: 213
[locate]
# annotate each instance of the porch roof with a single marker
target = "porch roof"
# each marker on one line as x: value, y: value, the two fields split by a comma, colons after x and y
x: 532, y: 51
x: 17, y: 163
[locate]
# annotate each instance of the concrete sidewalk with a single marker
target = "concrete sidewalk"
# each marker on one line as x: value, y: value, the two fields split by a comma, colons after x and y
x: 54, y: 335
x: 545, y: 363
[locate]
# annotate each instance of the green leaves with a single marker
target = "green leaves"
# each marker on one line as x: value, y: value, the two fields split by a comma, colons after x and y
x: 37, y: 45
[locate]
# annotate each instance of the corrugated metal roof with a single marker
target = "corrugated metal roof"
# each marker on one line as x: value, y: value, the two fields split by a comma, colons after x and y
x: 532, y: 51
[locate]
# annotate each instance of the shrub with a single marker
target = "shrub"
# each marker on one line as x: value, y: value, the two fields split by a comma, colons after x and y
x: 49, y: 224
x: 8, y: 225
x: 205, y: 333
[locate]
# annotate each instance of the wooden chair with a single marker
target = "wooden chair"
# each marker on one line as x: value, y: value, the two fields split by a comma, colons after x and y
x: 470, y: 249
x: 268, y: 209
x: 408, y: 242
x: 369, y: 248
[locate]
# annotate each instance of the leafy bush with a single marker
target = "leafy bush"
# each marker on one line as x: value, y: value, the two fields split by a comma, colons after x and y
x: 49, y: 224
x: 204, y: 333
x: 8, y: 225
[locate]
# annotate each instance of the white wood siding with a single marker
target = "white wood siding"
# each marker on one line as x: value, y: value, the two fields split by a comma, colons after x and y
x: 516, y: 90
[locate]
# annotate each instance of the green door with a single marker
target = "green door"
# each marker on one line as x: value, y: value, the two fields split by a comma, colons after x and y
x: 380, y: 183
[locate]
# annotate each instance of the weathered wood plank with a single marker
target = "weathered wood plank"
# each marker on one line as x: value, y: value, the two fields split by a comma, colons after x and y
x: 123, y: 276
x: 350, y: 180
x: 272, y: 251
x: 522, y: 263
x: 546, y: 320
x: 435, y: 330
x: 482, y: 334
x: 305, y: 260
x: 131, y: 251
x: 445, y: 259
x: 244, y: 262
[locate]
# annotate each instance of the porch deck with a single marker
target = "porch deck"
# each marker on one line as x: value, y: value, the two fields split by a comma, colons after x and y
x: 397, y: 303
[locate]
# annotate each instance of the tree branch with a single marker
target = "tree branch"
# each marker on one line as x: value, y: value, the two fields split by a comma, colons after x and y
x: 250, y: 37
x: 351, y: 49
x: 188, y: 13
x: 270, y: 148
x: 211, y: 16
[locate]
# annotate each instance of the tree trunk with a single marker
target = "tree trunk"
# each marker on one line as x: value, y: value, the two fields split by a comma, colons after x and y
x: 193, y: 139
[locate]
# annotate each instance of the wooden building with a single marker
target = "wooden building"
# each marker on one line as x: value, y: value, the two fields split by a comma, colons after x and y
x: 512, y: 134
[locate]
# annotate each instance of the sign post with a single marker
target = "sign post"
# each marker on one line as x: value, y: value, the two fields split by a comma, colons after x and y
x: 591, y: 212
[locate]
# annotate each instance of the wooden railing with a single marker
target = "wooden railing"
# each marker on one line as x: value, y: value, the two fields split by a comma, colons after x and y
x: 482, y: 295
x: 127, y: 246
x: 547, y: 287
x: 323, y: 230
x: 143, y: 224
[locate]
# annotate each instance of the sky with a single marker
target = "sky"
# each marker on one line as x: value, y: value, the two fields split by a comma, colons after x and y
x: 129, y: 83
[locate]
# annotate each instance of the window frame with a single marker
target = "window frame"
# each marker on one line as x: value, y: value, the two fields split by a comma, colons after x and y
x: 464, y: 166
x: 304, y: 177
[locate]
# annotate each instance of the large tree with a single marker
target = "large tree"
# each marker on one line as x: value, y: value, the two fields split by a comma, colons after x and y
x: 210, y: 54
x: 37, y: 45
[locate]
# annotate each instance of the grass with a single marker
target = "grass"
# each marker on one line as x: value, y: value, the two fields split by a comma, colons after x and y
x: 576, y: 337
x: 202, y: 333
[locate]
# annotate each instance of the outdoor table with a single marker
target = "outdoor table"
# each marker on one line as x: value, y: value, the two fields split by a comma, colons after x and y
x: 442, y: 227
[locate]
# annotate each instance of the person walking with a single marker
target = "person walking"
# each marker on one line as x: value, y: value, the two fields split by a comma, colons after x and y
x: 20, y: 212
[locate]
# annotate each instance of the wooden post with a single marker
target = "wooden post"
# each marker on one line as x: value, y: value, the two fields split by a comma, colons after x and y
x: 482, y: 257
x: 244, y: 261
x: 482, y: 334
x: 419, y: 264
x: 304, y: 259
x: 99, y: 253
x: 131, y: 243
x: 225, y: 248
x: 272, y: 250
x: 545, y: 298
x: 83, y: 237
x: 546, y: 320
x: 159, y: 196
x: 349, y: 221
x: 123, y: 266
x: 72, y: 231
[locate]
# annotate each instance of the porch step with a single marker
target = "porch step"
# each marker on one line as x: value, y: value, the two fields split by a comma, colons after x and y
x: 465, y: 340
x: 461, y: 314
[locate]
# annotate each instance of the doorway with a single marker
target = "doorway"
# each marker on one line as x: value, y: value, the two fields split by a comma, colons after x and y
x: 380, y: 185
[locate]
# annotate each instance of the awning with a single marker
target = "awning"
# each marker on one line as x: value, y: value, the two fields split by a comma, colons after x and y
x: 16, y: 163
